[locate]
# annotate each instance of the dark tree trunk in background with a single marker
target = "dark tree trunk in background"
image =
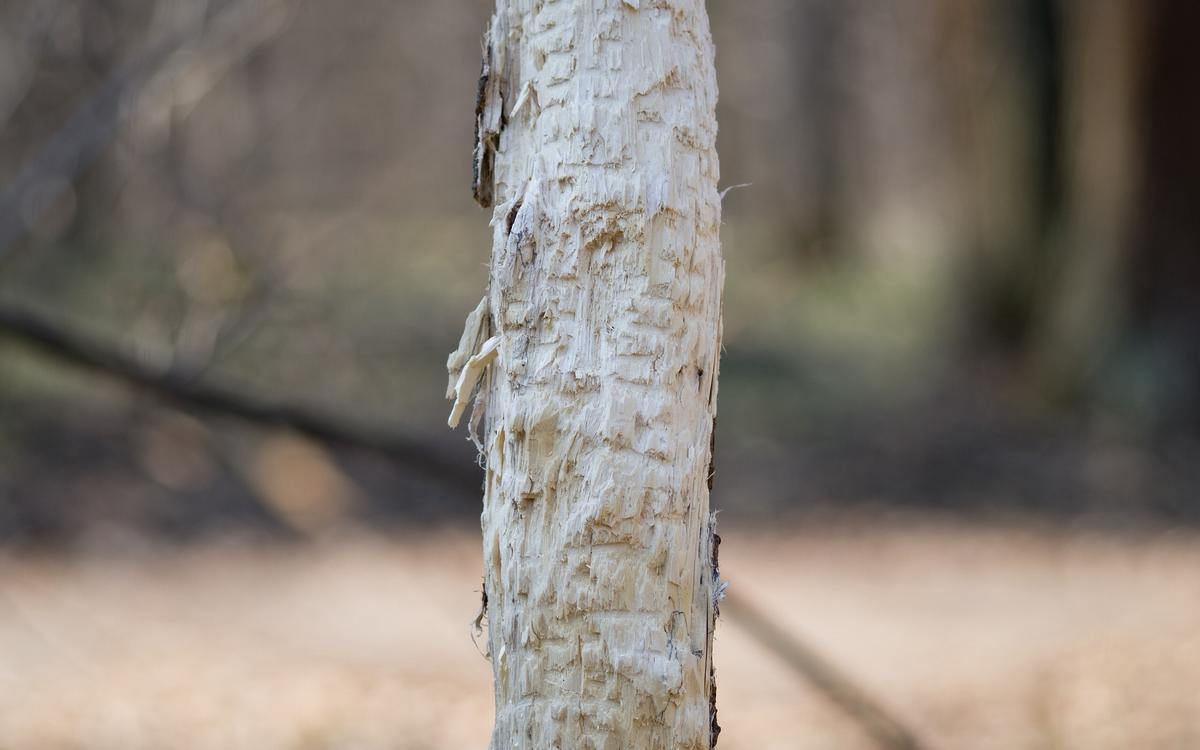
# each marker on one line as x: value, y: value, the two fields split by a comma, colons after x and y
x: 1008, y: 299
x: 1123, y: 329
x: 1164, y: 268
x: 817, y: 110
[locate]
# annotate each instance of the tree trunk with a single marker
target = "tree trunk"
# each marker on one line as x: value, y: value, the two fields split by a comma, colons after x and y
x: 597, y: 348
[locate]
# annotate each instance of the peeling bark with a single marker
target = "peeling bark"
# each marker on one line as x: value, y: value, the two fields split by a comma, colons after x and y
x: 598, y: 364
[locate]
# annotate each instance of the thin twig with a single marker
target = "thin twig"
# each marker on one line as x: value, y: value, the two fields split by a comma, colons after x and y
x: 89, y: 130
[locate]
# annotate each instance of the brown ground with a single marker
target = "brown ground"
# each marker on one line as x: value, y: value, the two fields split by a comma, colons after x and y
x: 980, y: 639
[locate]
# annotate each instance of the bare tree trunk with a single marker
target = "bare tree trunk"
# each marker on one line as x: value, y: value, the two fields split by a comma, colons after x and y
x: 597, y: 345
x: 1083, y: 306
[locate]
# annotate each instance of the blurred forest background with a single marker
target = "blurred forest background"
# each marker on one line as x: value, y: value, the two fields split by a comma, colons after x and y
x: 963, y: 276
x: 237, y: 243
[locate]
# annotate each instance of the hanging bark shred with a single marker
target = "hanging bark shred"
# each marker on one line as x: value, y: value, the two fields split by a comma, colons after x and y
x: 714, y: 727
x: 489, y: 121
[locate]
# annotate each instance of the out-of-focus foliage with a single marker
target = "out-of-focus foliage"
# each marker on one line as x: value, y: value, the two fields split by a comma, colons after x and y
x: 960, y: 277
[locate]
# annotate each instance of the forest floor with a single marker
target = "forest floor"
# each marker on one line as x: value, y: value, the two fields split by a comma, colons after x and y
x: 979, y: 638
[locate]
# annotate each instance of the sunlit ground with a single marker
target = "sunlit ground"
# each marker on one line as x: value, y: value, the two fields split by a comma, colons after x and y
x: 978, y: 638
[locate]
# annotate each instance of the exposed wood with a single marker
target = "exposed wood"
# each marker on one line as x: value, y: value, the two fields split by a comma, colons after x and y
x: 605, y: 302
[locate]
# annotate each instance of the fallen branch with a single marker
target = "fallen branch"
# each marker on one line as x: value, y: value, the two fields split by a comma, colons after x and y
x: 887, y: 731
x: 62, y: 342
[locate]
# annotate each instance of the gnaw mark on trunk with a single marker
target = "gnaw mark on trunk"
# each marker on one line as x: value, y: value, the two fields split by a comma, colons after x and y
x: 512, y: 215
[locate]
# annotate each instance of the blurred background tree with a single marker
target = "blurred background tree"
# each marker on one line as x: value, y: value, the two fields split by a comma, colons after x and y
x: 963, y: 278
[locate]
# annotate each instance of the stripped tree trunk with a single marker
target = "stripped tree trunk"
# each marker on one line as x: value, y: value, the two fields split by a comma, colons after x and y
x: 597, y: 348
